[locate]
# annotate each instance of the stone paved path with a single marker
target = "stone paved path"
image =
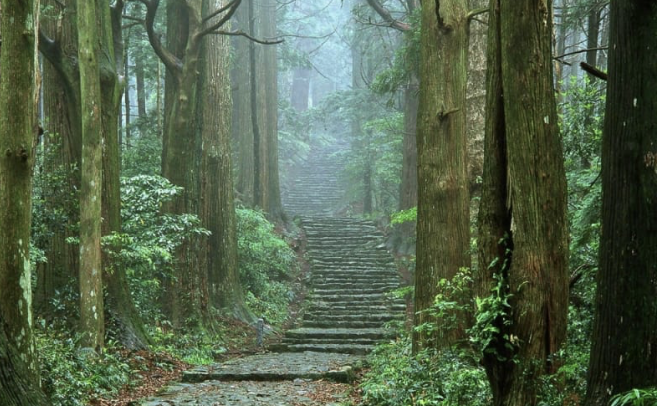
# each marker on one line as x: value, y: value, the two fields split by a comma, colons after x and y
x: 347, y: 311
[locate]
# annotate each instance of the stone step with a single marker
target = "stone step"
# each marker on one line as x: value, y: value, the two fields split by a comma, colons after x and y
x: 340, y: 333
x: 342, y: 324
x: 352, y: 284
x: 279, y: 367
x: 345, y: 348
x: 356, y: 292
x: 319, y: 341
x: 331, y: 308
x: 355, y: 317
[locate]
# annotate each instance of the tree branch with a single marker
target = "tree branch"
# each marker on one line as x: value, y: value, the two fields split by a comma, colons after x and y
x: 231, y: 7
x: 244, y: 34
x: 171, y: 62
x: 476, y: 12
x: 386, y: 15
x: 594, y: 71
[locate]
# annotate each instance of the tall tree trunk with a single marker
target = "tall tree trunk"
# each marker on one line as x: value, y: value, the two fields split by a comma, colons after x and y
x: 140, y: 87
x: 91, y: 281
x: 242, y: 123
x: 271, y: 127
x: 530, y: 216
x: 258, y: 110
x: 61, y: 109
x: 127, y: 321
x: 218, y: 210
x: 19, y: 369
x: 623, y: 348
x: 443, y: 205
x: 409, y: 179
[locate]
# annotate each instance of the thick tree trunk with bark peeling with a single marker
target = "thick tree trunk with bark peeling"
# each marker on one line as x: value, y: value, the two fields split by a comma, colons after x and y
x: 523, y: 201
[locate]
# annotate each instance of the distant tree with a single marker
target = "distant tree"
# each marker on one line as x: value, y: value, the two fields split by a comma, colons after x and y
x: 19, y: 369
x: 623, y: 348
x: 523, y: 238
x: 443, y: 235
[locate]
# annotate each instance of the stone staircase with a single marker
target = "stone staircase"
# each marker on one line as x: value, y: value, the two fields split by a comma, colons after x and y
x: 314, y: 188
x: 351, y: 277
x: 352, y: 274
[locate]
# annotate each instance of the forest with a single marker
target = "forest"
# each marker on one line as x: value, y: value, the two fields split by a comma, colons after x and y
x: 329, y: 202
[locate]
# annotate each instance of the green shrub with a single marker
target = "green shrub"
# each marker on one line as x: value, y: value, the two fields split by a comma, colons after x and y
x: 266, y: 264
x: 399, y: 378
x: 71, y: 377
x: 145, y: 248
x: 635, y: 397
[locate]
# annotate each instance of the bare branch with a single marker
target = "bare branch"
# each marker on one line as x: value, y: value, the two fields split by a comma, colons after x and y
x: 171, y: 62
x: 231, y: 7
x: 580, y: 51
x: 386, y: 15
x: 476, y: 12
x: 217, y: 12
x: 594, y: 71
x: 244, y: 34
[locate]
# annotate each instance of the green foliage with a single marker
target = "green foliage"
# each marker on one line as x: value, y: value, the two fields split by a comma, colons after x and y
x: 143, y: 155
x: 55, y: 203
x: 399, y: 378
x: 635, y: 397
x: 71, y: 377
x: 265, y: 262
x: 149, y: 239
x: 405, y: 63
x: 196, y: 349
x: 403, y: 216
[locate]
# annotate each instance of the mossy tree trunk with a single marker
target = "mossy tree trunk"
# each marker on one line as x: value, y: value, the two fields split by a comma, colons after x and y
x: 188, y: 295
x: 55, y: 47
x: 19, y: 369
x: 92, y: 318
x: 523, y: 201
x: 623, y: 348
x: 61, y: 109
x: 443, y: 199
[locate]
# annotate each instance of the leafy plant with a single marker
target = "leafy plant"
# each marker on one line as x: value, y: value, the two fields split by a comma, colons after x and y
x: 149, y: 239
x: 399, y: 378
x: 266, y: 263
x: 635, y: 397
x: 71, y: 377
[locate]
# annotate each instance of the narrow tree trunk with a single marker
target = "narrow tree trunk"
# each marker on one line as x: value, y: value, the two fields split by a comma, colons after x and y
x: 91, y: 281
x: 128, y: 324
x: 242, y: 121
x: 409, y: 179
x: 443, y: 199
x: 141, y: 89
x: 274, y: 206
x: 624, y: 335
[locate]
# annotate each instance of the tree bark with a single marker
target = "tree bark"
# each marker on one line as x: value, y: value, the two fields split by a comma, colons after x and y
x: 531, y: 213
x: 218, y: 210
x: 443, y: 199
x: 271, y: 127
x: 61, y: 109
x: 19, y: 369
x: 623, y: 348
x: 242, y: 123
x: 91, y: 281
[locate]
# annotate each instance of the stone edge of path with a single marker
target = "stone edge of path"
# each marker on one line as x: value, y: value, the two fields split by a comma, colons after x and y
x: 286, y: 366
